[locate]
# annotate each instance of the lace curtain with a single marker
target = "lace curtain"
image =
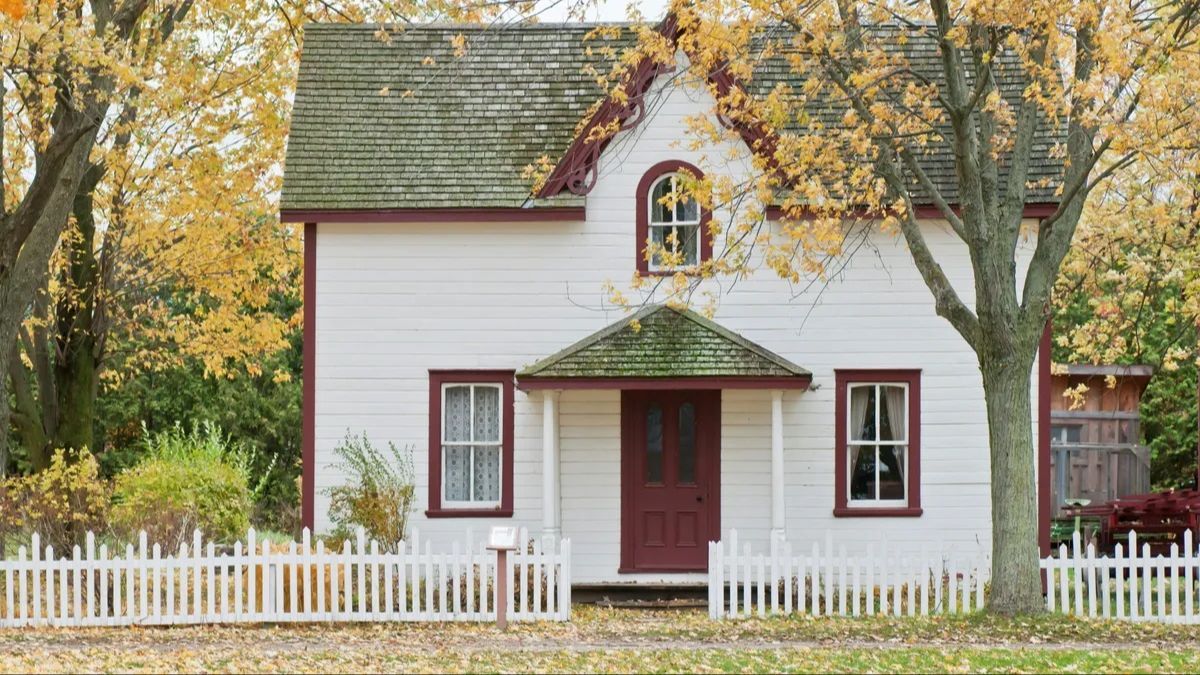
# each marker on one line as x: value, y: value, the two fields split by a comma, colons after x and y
x: 471, y: 434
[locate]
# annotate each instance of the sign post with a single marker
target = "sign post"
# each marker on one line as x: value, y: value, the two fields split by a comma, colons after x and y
x: 502, y: 539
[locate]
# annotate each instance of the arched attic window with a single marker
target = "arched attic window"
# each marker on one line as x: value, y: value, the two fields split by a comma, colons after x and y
x: 679, y: 226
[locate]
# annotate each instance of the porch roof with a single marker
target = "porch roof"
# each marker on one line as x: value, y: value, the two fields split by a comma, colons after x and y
x: 662, y: 347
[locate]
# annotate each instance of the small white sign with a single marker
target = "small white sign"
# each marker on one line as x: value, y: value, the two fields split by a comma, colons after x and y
x: 503, y: 537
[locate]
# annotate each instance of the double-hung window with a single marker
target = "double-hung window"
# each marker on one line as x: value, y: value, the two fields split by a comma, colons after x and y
x: 470, y: 442
x: 878, y: 448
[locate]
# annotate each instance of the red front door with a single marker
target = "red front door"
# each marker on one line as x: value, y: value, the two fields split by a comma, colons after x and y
x: 670, y: 479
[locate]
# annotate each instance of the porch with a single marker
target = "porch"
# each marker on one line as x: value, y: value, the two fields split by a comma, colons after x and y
x: 661, y: 414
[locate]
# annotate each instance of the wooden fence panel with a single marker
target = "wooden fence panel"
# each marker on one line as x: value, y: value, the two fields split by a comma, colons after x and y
x: 257, y: 582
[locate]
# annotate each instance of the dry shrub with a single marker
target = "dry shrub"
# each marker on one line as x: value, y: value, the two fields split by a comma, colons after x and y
x: 379, y: 493
x: 61, y: 503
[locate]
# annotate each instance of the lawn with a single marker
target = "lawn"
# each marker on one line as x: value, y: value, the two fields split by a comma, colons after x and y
x: 623, y: 640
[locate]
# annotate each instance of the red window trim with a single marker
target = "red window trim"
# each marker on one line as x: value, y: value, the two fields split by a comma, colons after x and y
x: 643, y: 214
x: 437, y: 378
x: 843, y: 378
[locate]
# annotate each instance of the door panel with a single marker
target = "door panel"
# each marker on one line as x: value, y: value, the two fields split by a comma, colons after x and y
x: 670, y: 454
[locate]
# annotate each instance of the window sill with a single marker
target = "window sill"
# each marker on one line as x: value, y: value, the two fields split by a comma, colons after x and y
x: 877, y: 512
x: 468, y: 513
x: 689, y: 271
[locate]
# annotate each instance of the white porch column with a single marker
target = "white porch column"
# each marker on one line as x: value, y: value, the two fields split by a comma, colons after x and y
x: 551, y: 506
x: 778, y: 527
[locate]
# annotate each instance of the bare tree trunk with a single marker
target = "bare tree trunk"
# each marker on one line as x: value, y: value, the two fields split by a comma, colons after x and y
x: 1016, y: 581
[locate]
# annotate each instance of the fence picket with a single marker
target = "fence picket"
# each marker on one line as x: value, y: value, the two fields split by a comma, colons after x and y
x: 1091, y: 579
x: 1147, y: 583
x: 1189, y: 562
x: 22, y: 608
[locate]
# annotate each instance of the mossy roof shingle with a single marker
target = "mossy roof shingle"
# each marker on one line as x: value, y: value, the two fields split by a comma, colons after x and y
x: 472, y: 124
x: 667, y: 342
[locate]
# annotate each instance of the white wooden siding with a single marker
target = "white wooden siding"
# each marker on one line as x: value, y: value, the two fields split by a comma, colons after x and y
x: 395, y: 300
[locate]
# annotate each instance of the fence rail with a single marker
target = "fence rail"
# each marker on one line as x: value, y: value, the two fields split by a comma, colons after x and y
x: 258, y: 582
x: 827, y: 581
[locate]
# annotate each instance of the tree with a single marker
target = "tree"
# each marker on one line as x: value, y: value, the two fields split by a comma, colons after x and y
x: 1104, y: 77
x: 172, y: 246
x: 172, y: 250
x: 63, y: 63
x: 1129, y: 292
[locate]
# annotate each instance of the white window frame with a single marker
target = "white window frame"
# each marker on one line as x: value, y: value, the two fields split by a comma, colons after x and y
x: 651, y: 224
x: 498, y: 443
x: 876, y: 444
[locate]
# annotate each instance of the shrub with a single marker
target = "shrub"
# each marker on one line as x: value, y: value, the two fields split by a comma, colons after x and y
x: 379, y: 492
x: 61, y: 503
x: 187, y: 480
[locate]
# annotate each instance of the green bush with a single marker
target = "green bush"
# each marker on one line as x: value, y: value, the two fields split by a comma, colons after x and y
x: 186, y: 480
x: 378, y: 495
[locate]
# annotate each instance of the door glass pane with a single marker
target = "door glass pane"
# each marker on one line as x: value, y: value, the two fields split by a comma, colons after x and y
x: 891, y: 472
x: 654, y: 444
x: 687, y: 443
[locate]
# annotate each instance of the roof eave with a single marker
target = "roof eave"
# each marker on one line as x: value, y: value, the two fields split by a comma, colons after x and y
x: 634, y: 383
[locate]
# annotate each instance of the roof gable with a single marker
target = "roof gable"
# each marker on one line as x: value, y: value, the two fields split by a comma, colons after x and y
x: 667, y: 343
x: 375, y: 127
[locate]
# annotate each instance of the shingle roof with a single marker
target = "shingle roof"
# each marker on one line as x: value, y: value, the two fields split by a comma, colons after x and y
x: 472, y: 124
x: 462, y: 139
x: 667, y: 342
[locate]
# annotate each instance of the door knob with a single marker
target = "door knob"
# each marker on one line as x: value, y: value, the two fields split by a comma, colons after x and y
x: 699, y: 499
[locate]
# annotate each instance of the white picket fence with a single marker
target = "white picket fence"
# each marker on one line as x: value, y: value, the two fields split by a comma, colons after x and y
x: 258, y: 582
x: 889, y: 579
x: 1128, y: 585
x: 907, y: 581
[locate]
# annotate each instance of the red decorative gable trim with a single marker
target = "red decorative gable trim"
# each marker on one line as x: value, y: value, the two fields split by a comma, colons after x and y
x: 576, y: 169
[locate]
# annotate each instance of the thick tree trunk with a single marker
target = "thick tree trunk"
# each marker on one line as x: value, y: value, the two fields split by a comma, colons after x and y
x: 75, y: 368
x: 1016, y: 581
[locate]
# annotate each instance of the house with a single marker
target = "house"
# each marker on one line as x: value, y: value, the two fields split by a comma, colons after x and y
x: 1097, y: 453
x: 448, y: 309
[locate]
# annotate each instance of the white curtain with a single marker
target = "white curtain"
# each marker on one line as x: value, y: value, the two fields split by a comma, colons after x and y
x: 472, y: 415
x: 859, y: 399
x: 487, y: 457
x: 895, y: 398
x: 457, y: 412
x: 456, y: 465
